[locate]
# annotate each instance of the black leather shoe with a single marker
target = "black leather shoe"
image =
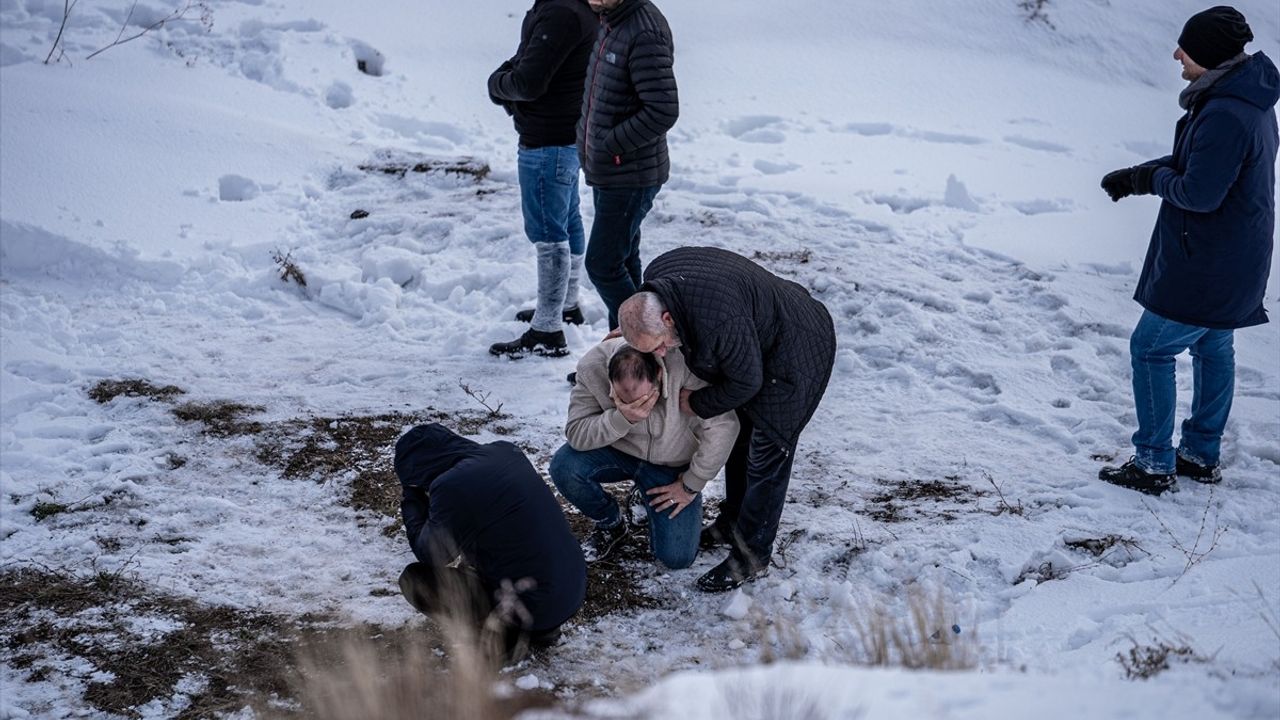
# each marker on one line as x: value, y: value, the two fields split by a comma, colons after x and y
x: 1129, y: 475
x: 546, y: 344
x: 730, y: 574
x: 1207, y: 474
x: 570, y: 315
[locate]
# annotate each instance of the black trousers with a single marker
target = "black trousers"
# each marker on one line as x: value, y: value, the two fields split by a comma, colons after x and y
x: 756, y: 478
x: 436, y: 590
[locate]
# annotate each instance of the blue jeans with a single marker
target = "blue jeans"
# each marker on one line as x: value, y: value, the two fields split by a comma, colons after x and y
x: 579, y: 476
x: 1152, y: 347
x: 553, y: 222
x: 613, y: 253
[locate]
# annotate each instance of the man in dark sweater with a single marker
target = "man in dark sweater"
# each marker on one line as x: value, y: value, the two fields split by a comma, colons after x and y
x: 767, y: 349
x: 1206, y: 269
x: 541, y: 87
x: 630, y: 103
x: 522, y: 573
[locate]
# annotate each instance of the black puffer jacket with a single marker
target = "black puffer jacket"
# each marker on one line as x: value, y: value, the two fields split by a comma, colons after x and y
x: 630, y: 99
x: 765, y: 345
x: 541, y: 86
x: 487, y: 504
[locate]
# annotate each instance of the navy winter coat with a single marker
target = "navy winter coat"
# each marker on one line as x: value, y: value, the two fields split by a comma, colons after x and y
x: 1210, y: 254
x: 630, y: 100
x: 762, y: 342
x: 487, y: 504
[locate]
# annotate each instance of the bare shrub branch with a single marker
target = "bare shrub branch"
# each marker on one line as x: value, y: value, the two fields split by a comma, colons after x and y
x: 67, y: 7
x: 289, y: 270
x: 1004, y: 506
x: 1194, y: 556
x: 177, y: 14
x: 482, y: 398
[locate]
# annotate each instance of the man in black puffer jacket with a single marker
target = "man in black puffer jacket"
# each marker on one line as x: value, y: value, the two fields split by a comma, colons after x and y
x: 767, y: 348
x: 486, y: 505
x: 629, y: 104
x: 541, y: 86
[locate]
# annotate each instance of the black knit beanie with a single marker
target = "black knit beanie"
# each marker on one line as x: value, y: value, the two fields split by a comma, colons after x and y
x: 1215, y: 36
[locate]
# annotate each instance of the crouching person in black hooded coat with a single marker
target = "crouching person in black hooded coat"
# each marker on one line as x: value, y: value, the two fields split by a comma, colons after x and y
x: 521, y: 572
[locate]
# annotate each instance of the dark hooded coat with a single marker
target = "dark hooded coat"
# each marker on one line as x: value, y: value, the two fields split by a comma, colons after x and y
x: 1210, y: 253
x: 487, y: 504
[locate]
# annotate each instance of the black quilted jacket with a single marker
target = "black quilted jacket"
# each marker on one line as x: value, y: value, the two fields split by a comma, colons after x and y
x: 765, y: 345
x: 629, y: 102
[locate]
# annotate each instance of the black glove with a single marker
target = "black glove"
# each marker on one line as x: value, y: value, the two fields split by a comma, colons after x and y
x: 1129, y: 181
x: 1118, y: 184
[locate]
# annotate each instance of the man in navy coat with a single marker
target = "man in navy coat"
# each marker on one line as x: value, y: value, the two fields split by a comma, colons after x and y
x: 521, y: 568
x: 1206, y: 269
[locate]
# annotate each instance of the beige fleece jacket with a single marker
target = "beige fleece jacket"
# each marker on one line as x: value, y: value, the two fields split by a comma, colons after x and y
x: 666, y: 437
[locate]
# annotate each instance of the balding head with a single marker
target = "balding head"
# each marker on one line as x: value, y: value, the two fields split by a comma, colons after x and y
x: 646, y: 324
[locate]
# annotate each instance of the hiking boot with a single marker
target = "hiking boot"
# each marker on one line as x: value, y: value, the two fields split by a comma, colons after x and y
x: 637, y: 515
x: 570, y: 315
x: 730, y: 574
x: 546, y: 344
x: 1207, y: 474
x: 1129, y: 475
x: 602, y: 541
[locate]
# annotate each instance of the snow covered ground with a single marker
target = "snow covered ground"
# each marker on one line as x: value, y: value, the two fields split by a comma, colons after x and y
x: 929, y: 170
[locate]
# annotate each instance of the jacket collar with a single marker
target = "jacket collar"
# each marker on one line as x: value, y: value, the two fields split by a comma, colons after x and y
x: 619, y: 14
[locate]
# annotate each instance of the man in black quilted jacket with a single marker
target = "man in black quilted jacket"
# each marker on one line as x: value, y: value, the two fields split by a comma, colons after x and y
x: 541, y: 87
x: 629, y: 103
x: 767, y: 348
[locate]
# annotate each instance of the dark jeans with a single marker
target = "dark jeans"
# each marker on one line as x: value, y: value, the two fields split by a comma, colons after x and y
x: 756, y: 478
x: 613, y: 250
x: 459, y: 592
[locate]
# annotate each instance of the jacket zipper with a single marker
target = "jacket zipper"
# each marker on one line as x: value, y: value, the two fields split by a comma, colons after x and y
x: 586, y: 123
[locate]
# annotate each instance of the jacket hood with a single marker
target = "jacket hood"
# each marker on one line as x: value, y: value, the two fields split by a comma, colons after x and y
x: 428, y: 451
x: 1256, y: 81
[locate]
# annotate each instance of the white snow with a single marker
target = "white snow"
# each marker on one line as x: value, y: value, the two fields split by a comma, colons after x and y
x: 929, y: 170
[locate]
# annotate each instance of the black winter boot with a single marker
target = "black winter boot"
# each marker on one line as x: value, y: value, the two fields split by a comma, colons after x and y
x: 1207, y: 474
x: 1129, y: 475
x: 570, y: 315
x: 602, y: 541
x: 546, y: 344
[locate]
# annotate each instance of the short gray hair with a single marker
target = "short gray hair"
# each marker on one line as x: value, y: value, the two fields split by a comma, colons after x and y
x: 642, y: 314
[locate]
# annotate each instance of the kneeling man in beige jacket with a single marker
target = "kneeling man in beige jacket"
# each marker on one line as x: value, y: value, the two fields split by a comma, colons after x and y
x: 625, y: 424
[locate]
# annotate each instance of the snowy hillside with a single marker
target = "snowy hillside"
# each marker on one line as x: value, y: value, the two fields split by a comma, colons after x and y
x: 189, y: 441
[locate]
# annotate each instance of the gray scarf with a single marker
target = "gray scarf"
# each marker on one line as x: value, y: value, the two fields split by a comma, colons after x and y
x: 1191, y: 93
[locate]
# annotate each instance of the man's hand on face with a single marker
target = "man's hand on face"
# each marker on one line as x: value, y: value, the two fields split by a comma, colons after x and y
x: 671, y: 497
x: 640, y: 408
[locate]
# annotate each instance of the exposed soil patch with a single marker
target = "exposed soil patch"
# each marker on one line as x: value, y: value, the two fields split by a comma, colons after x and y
x: 140, y: 643
x: 1099, y: 546
x: 107, y: 390
x: 137, y: 645
x: 221, y: 418
x: 613, y: 583
x: 798, y: 257
x: 400, y: 164
x: 361, y: 447
x: 904, y: 500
